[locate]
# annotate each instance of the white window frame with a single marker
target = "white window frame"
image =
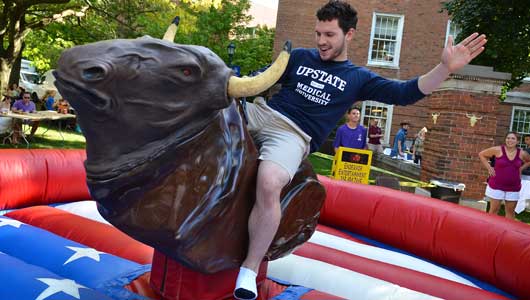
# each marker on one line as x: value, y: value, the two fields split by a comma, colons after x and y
x: 388, y: 126
x: 399, y: 37
x: 448, y: 32
x: 514, y: 108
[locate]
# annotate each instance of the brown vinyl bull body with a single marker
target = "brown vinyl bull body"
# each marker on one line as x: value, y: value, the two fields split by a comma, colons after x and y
x: 169, y: 159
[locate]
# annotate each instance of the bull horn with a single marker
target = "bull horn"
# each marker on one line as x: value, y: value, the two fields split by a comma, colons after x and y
x: 250, y: 86
x: 172, y: 30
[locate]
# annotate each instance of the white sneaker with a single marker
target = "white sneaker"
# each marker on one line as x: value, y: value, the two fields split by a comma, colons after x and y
x: 246, y: 285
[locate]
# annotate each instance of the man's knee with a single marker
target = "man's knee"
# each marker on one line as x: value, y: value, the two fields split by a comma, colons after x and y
x: 273, y: 174
x: 271, y: 180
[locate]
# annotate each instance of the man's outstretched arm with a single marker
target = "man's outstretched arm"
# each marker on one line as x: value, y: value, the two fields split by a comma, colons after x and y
x: 453, y: 58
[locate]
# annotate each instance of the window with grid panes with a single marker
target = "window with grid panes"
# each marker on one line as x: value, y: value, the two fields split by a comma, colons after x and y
x: 521, y: 123
x: 382, y: 113
x: 385, y: 40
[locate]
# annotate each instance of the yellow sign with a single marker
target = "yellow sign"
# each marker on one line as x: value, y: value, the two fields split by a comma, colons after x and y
x: 352, y: 165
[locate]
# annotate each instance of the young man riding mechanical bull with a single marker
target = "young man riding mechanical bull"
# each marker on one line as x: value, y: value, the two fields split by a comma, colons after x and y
x: 294, y: 123
x: 148, y: 164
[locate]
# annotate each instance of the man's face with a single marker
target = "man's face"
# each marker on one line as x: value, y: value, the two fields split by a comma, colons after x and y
x: 26, y: 98
x: 527, y: 140
x: 331, y: 40
x: 354, y: 115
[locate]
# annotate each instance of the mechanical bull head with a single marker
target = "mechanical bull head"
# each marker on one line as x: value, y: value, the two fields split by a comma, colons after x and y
x: 169, y: 160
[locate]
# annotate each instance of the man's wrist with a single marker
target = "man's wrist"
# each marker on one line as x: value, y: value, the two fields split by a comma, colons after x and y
x: 444, y: 67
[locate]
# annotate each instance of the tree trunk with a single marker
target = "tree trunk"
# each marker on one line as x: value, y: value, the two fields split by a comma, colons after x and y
x: 5, y: 71
x: 15, y: 69
x: 12, y: 39
x: 13, y: 32
x: 11, y: 64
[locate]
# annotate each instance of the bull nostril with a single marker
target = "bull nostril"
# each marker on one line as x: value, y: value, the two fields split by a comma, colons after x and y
x: 93, y: 73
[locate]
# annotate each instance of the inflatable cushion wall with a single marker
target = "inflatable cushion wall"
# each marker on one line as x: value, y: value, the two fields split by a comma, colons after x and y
x: 33, y: 177
x: 491, y: 248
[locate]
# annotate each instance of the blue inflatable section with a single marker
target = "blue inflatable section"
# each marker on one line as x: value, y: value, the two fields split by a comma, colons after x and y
x: 67, y: 259
x: 22, y: 281
x: 292, y: 293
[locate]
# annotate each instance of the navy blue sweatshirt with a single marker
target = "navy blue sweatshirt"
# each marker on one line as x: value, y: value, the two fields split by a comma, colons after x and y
x: 315, y: 94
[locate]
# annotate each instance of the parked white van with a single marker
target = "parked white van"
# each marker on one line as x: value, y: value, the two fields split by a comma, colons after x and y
x: 29, y: 78
x: 31, y: 81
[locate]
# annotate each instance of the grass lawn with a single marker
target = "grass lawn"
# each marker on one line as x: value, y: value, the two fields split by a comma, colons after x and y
x: 49, y: 137
x: 321, y: 165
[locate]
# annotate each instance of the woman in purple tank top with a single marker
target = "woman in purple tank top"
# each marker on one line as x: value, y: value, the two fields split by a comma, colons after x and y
x: 504, y: 182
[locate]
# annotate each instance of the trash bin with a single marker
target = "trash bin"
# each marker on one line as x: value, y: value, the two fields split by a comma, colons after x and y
x: 447, y: 190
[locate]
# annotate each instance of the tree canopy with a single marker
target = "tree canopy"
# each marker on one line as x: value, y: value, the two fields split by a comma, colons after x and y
x: 210, y: 23
x: 102, y: 20
x: 18, y: 19
x: 216, y: 25
x: 507, y: 28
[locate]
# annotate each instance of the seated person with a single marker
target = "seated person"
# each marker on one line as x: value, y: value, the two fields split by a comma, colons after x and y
x: 62, y: 106
x: 5, y: 123
x: 24, y: 106
x: 5, y: 104
x: 13, y: 91
x: 7, y: 96
x: 49, y: 99
x: 38, y: 102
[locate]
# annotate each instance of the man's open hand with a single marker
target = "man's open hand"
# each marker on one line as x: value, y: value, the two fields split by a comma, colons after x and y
x: 455, y: 57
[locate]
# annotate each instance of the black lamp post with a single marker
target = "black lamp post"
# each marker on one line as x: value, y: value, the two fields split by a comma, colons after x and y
x: 231, y: 49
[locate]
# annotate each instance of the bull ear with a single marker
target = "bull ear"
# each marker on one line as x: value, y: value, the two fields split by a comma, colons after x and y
x: 250, y: 86
x: 172, y: 30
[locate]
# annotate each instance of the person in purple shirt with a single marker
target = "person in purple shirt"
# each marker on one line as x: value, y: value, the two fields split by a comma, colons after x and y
x: 24, y: 106
x: 351, y: 134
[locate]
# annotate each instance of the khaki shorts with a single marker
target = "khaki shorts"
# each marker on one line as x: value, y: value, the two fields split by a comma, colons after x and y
x: 278, y: 139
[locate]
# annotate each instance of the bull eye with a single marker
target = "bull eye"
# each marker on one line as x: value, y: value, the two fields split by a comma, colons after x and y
x: 186, y: 72
x: 94, y: 73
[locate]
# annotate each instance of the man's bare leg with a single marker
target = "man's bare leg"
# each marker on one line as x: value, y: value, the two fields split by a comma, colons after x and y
x: 263, y: 224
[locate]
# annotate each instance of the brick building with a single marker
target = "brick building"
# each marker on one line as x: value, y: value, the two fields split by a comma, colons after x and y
x: 404, y: 39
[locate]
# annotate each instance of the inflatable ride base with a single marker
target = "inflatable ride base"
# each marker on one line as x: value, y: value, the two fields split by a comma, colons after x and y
x: 174, y: 281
